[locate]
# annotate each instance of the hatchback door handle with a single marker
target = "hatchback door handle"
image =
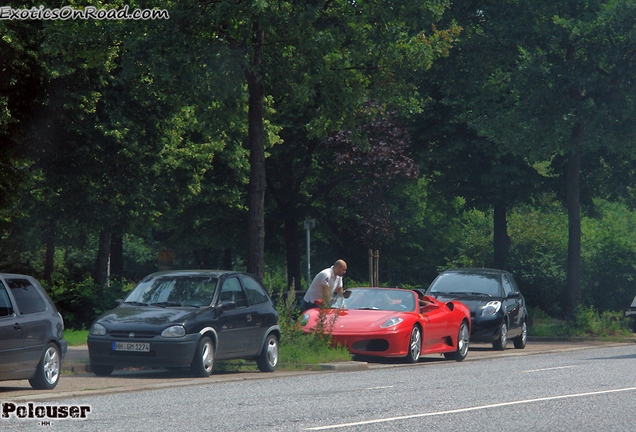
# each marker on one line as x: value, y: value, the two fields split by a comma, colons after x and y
x: 249, y: 318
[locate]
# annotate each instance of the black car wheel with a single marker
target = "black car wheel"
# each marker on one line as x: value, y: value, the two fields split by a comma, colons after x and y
x: 415, y: 345
x: 47, y: 374
x: 462, y: 344
x: 502, y: 341
x: 102, y: 370
x: 267, y: 360
x: 520, y: 341
x: 203, y: 361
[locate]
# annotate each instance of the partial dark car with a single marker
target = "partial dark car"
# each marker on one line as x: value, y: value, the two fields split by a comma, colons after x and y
x: 631, y: 313
x: 32, y: 344
x: 497, y: 308
x: 187, y: 319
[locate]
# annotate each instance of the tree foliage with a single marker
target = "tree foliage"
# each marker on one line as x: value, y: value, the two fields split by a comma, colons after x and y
x: 236, y: 119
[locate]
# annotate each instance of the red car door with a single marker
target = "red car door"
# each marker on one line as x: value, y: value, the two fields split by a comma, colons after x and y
x: 435, y: 324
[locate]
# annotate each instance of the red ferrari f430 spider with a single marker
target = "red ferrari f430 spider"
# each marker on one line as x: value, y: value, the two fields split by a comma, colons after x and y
x: 389, y: 322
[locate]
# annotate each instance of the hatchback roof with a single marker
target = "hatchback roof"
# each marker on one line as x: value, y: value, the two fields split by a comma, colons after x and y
x: 217, y: 273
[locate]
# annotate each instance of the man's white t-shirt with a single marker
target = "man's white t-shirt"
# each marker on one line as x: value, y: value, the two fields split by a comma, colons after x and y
x: 325, y: 277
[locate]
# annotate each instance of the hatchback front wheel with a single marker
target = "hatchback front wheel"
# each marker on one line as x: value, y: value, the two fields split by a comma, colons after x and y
x: 203, y: 361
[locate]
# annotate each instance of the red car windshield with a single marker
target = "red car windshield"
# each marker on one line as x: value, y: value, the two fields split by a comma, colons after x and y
x: 384, y: 299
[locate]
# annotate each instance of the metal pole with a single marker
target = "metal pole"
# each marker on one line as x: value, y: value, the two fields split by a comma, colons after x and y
x: 308, y: 254
x: 376, y: 267
x: 309, y: 224
x: 370, y: 268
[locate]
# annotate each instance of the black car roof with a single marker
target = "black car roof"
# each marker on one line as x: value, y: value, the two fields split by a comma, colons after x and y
x: 475, y: 270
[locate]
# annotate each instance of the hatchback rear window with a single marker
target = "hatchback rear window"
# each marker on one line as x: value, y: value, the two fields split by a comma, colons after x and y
x: 255, y: 293
x: 26, y: 296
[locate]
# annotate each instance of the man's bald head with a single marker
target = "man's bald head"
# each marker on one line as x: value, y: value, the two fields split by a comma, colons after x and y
x: 340, y: 268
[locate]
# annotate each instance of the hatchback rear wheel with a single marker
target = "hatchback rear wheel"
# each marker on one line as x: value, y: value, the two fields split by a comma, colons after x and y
x: 47, y: 374
x: 267, y: 360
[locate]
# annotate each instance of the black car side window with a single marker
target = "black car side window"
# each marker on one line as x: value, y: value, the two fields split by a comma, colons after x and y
x: 507, y: 287
x: 513, y: 284
x: 26, y: 296
x: 5, y: 304
x: 255, y: 293
x: 232, y: 291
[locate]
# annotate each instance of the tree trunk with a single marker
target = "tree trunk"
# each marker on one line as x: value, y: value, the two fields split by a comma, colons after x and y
x: 292, y: 252
x: 256, y: 143
x: 574, y: 223
x: 117, y: 255
x: 227, y: 259
x: 501, y: 243
x: 100, y: 277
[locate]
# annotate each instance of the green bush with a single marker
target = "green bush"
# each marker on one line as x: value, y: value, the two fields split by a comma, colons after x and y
x: 587, y: 322
x: 538, y: 254
x: 609, y: 263
x: 81, y: 302
x: 296, y: 347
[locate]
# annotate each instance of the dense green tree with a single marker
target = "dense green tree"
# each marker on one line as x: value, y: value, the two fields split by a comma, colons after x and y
x: 21, y: 86
x: 345, y: 46
x: 557, y: 83
x: 125, y: 132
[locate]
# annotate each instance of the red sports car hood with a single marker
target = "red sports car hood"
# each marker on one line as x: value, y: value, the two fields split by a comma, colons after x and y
x: 352, y: 320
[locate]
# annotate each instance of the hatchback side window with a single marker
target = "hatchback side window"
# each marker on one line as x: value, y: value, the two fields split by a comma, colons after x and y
x: 255, y: 293
x: 5, y: 304
x: 26, y: 296
x: 232, y: 291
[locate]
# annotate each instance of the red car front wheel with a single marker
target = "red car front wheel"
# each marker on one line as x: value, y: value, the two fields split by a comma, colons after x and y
x: 415, y: 345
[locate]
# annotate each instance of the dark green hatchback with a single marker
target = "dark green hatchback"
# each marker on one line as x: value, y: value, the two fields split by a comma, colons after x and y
x: 187, y: 319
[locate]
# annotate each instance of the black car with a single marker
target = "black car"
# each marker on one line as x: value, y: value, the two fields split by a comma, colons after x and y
x: 631, y: 312
x: 497, y: 308
x: 188, y: 318
x: 31, y: 333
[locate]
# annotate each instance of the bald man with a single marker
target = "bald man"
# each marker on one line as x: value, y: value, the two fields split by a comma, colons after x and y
x: 324, y: 285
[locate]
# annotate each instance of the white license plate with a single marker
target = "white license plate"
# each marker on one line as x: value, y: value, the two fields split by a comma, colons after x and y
x: 131, y: 346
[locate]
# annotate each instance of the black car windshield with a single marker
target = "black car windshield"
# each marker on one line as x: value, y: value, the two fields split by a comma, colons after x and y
x: 172, y: 290
x: 376, y: 299
x: 466, y: 283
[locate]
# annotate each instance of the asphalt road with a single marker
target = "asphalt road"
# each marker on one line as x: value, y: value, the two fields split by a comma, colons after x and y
x: 556, y: 387
x: 83, y: 383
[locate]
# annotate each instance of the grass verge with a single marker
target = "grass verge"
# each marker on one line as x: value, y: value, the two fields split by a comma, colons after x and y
x: 76, y: 337
x: 587, y: 323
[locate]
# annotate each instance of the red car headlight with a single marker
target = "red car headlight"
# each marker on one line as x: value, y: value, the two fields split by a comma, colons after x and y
x: 392, y: 322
